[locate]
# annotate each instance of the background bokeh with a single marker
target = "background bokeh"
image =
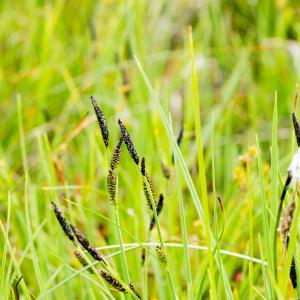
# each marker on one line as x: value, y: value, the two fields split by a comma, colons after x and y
x: 55, y: 54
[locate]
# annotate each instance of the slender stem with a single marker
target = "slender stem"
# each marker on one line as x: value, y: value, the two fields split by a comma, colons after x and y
x: 121, y: 243
x: 167, y: 267
x: 184, y: 236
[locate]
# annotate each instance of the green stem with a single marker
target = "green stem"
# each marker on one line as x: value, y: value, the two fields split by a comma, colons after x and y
x: 162, y: 245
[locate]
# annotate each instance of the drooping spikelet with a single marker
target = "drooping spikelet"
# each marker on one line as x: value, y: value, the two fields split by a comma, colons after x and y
x: 159, y: 208
x: 293, y: 274
x: 161, y: 254
x: 83, y: 241
x: 134, y: 290
x: 286, y: 221
x: 101, y: 121
x: 296, y: 128
x: 143, y: 256
x: 115, y: 159
x: 82, y: 260
x: 148, y: 188
x: 128, y: 142
x: 111, y: 186
x: 179, y: 140
x: 63, y: 222
x: 112, y: 281
x: 180, y: 136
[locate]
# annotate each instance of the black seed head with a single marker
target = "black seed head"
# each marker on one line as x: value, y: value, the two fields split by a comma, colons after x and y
x: 62, y: 221
x: 101, y: 121
x: 112, y: 281
x: 159, y: 208
x: 128, y: 142
x: 180, y: 136
x: 83, y: 241
x: 83, y: 261
x: 115, y: 159
x: 131, y: 286
x: 143, y: 167
x: 296, y: 128
x: 111, y: 186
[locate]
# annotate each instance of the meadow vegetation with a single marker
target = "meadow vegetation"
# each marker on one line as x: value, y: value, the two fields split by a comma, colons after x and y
x: 179, y: 197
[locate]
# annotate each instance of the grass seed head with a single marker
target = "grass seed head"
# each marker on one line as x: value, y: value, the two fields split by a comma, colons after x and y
x: 128, y: 143
x: 83, y: 241
x: 63, y: 222
x: 296, y: 128
x: 131, y: 286
x: 159, y: 208
x: 112, y: 281
x: 161, y: 254
x: 111, y: 186
x: 180, y: 136
x: 147, y: 189
x: 101, y: 121
x: 82, y: 260
x: 286, y: 221
x: 115, y: 159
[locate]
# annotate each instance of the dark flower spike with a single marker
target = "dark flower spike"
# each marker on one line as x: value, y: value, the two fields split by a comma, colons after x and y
x: 101, y: 121
x: 180, y: 136
x: 63, y: 222
x: 115, y: 159
x: 296, y: 128
x: 161, y: 254
x: 146, y: 190
x: 293, y: 274
x: 128, y: 142
x: 111, y: 186
x: 112, y: 281
x: 83, y: 241
x: 159, y: 208
x: 83, y: 261
x: 131, y: 286
x: 179, y: 140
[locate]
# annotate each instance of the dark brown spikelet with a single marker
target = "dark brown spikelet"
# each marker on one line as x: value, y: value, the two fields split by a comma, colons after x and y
x: 161, y: 254
x: 143, y: 256
x: 101, y: 121
x: 63, y: 222
x: 82, y: 261
x: 83, y: 241
x: 111, y: 186
x: 146, y: 190
x: 179, y: 140
x: 296, y: 128
x: 293, y: 274
x: 131, y: 286
x: 128, y: 143
x: 159, y: 208
x: 180, y: 136
x: 286, y: 221
x: 112, y: 281
x: 115, y: 159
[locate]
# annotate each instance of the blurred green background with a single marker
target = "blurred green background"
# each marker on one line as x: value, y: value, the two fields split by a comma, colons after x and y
x: 55, y: 54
